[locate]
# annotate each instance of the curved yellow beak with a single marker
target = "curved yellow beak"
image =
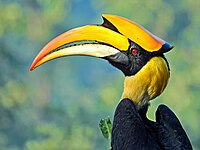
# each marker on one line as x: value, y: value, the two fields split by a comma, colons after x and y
x: 100, y: 41
x: 91, y: 40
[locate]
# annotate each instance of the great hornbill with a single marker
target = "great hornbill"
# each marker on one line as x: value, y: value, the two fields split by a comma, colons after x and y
x: 136, y: 52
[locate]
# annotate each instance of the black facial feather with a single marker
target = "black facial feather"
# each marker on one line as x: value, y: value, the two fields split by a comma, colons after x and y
x: 136, y: 58
x: 134, y: 62
x: 131, y: 62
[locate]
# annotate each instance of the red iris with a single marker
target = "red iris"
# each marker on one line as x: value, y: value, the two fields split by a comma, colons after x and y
x: 134, y: 51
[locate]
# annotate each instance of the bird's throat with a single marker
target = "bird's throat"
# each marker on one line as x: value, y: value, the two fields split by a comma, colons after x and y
x: 147, y: 83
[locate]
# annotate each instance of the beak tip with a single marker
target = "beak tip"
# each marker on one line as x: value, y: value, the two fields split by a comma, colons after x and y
x: 33, y: 66
x: 35, y: 63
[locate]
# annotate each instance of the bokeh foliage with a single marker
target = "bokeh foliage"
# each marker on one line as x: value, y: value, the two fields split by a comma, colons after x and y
x: 59, y: 105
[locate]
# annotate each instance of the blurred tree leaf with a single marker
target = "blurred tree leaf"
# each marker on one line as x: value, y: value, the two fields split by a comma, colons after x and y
x: 13, y: 94
x: 106, y: 127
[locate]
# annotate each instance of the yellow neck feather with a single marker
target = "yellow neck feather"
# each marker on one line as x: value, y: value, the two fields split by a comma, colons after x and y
x: 147, y: 83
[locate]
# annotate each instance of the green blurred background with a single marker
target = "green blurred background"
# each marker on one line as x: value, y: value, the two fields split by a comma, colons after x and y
x: 59, y: 105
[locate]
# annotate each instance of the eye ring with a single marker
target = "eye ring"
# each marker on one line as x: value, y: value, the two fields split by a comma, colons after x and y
x: 134, y: 51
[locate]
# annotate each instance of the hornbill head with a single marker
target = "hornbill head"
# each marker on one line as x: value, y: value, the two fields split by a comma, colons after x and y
x: 126, y: 45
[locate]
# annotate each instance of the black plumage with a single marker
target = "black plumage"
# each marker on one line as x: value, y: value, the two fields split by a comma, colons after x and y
x: 133, y: 131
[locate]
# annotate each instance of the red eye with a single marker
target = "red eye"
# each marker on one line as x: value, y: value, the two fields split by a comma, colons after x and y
x: 134, y: 51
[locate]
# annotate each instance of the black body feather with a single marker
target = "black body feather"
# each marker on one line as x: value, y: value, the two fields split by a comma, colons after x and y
x: 133, y: 131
